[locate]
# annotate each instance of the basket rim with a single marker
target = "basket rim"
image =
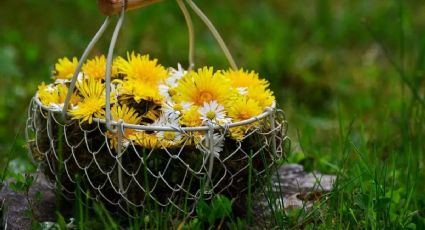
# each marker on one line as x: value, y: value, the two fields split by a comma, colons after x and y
x: 267, y: 112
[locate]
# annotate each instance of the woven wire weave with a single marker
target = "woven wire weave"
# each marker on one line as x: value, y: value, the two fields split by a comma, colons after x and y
x: 67, y: 149
x: 80, y: 155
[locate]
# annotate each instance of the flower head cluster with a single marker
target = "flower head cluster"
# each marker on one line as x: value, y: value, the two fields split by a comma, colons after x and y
x: 143, y: 92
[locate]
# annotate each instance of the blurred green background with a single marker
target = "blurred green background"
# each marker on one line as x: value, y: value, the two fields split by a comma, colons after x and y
x: 348, y: 74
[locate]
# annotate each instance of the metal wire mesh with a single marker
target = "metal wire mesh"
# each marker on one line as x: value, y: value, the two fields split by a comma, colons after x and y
x: 72, y: 153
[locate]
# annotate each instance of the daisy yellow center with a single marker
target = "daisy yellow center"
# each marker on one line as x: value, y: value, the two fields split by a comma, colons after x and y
x: 178, y: 107
x: 169, y: 135
x: 210, y: 115
x: 172, y: 92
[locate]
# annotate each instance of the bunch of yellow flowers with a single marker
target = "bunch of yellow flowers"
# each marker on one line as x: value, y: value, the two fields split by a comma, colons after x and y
x: 144, y: 92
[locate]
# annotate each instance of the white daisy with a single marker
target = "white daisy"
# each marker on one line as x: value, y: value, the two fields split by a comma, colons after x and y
x: 124, y: 143
x: 166, y: 90
x: 213, y: 111
x: 217, y: 142
x: 169, y: 135
x: 172, y: 109
x: 175, y: 75
x: 116, y: 89
x: 168, y: 121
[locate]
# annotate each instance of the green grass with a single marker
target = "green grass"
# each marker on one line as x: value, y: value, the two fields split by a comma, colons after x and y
x: 348, y: 74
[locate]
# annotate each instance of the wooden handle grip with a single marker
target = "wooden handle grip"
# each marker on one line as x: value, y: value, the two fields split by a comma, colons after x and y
x: 111, y: 7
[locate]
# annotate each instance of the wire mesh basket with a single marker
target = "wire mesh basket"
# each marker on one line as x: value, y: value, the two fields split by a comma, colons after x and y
x: 125, y: 175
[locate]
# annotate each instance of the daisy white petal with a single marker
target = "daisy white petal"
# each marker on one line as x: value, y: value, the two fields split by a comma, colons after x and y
x: 212, y: 111
x: 217, y: 142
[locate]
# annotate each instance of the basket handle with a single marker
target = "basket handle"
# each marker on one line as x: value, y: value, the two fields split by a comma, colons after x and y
x: 214, y: 32
x: 83, y: 58
x: 112, y: 7
x: 117, y: 29
x: 86, y: 52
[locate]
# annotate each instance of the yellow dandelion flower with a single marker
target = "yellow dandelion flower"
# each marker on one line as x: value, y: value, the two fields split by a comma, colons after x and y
x: 238, y: 133
x: 264, y: 97
x: 150, y: 141
x: 240, y: 109
x: 55, y: 95
x: 91, y: 87
x: 145, y: 140
x: 141, y: 77
x: 62, y: 93
x: 203, y: 86
x: 93, y: 103
x: 96, y: 68
x: 127, y: 115
x: 191, y: 117
x: 65, y: 68
x: 151, y: 115
x: 88, y: 109
x: 141, y: 69
x: 244, y: 79
x: 142, y: 91
x: 243, y: 108
x: 45, y: 94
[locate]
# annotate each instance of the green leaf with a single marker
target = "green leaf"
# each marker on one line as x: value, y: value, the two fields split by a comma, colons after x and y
x: 381, y: 204
x: 194, y: 224
x: 411, y: 226
x: 361, y: 200
x: 17, y: 186
x: 222, y: 207
x: 238, y: 225
x: 61, y: 221
x: 38, y: 196
x: 29, y: 180
x: 203, y: 210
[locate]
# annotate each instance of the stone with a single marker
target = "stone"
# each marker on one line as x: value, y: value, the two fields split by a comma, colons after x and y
x: 293, y: 179
x: 293, y: 188
x: 15, y: 205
